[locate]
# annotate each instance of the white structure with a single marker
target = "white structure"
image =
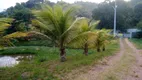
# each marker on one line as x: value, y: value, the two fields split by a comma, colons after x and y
x: 114, y: 29
x: 130, y: 33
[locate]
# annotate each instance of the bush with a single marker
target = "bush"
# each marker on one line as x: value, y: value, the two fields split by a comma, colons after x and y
x: 137, y: 35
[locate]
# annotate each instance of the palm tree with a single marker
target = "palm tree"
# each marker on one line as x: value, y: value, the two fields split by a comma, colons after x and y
x: 102, y: 39
x: 5, y: 23
x: 58, y: 24
x: 86, y: 35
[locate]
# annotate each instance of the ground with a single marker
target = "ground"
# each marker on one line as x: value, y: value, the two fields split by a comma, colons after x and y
x: 125, y: 65
x: 46, y: 64
x: 137, y: 42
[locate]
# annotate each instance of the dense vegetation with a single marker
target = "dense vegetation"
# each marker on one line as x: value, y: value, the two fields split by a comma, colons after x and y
x: 129, y: 14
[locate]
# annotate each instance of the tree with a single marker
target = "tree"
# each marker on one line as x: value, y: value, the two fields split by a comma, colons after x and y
x: 105, y: 14
x: 86, y: 35
x: 139, y: 25
x: 138, y: 13
x: 135, y: 2
x: 22, y: 16
x: 36, y: 4
x: 33, y: 3
x: 58, y: 25
x: 86, y: 9
x: 102, y: 39
x: 5, y: 23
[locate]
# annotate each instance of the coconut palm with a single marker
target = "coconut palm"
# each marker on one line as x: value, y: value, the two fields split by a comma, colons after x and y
x: 58, y: 24
x: 86, y: 35
x: 101, y: 39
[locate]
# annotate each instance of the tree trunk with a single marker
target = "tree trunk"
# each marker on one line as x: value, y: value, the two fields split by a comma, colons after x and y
x: 104, y: 48
x: 62, y: 52
x: 98, y: 50
x: 86, y: 49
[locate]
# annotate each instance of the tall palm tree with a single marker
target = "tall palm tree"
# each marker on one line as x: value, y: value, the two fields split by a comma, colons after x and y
x: 58, y: 24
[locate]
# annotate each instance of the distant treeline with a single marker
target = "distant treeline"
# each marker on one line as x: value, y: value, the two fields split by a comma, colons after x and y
x: 129, y: 14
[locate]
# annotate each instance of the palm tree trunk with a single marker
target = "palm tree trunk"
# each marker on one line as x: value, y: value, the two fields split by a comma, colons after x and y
x: 62, y: 52
x: 86, y: 49
x: 104, y: 48
x: 98, y: 49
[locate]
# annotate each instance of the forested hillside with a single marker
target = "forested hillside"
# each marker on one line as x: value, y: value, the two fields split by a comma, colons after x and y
x: 129, y: 14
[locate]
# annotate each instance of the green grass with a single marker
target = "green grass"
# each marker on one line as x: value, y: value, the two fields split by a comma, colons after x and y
x: 32, y: 42
x: 137, y: 42
x: 46, y: 64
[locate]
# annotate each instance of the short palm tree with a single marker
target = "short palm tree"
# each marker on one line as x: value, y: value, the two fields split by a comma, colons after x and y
x: 101, y: 39
x: 86, y: 35
x: 58, y: 24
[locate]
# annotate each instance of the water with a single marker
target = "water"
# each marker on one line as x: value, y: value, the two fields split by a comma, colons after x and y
x: 10, y: 61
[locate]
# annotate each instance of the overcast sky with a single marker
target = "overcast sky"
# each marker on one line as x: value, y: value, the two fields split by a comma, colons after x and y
x: 4, y: 4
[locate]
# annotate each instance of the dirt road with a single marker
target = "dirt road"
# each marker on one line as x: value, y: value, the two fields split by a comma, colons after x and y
x: 125, y: 65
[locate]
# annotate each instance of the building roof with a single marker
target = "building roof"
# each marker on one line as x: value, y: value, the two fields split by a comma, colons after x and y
x: 133, y: 30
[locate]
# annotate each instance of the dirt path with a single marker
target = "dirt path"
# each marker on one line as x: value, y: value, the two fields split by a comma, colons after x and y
x: 125, y: 65
x: 136, y: 70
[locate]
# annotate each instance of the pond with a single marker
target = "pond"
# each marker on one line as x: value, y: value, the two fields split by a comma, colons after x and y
x: 12, y: 60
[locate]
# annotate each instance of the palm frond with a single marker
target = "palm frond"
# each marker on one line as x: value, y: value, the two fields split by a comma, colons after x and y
x: 5, y: 23
x: 80, y: 40
x: 93, y: 25
x: 32, y: 33
x: 16, y: 35
x: 73, y: 30
x: 3, y: 26
x: 6, y: 20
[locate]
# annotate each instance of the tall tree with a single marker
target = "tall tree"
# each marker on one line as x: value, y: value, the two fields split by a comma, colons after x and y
x: 86, y: 8
x: 135, y: 2
x: 105, y: 13
x: 22, y: 15
x: 138, y: 13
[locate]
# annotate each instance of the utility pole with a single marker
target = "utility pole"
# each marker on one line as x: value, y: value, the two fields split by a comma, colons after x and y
x: 115, y: 10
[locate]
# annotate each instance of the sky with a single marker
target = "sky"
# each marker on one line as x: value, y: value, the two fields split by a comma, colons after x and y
x: 4, y: 4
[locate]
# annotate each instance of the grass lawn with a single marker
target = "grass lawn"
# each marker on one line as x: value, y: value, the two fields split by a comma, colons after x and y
x: 137, y: 42
x: 46, y: 64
